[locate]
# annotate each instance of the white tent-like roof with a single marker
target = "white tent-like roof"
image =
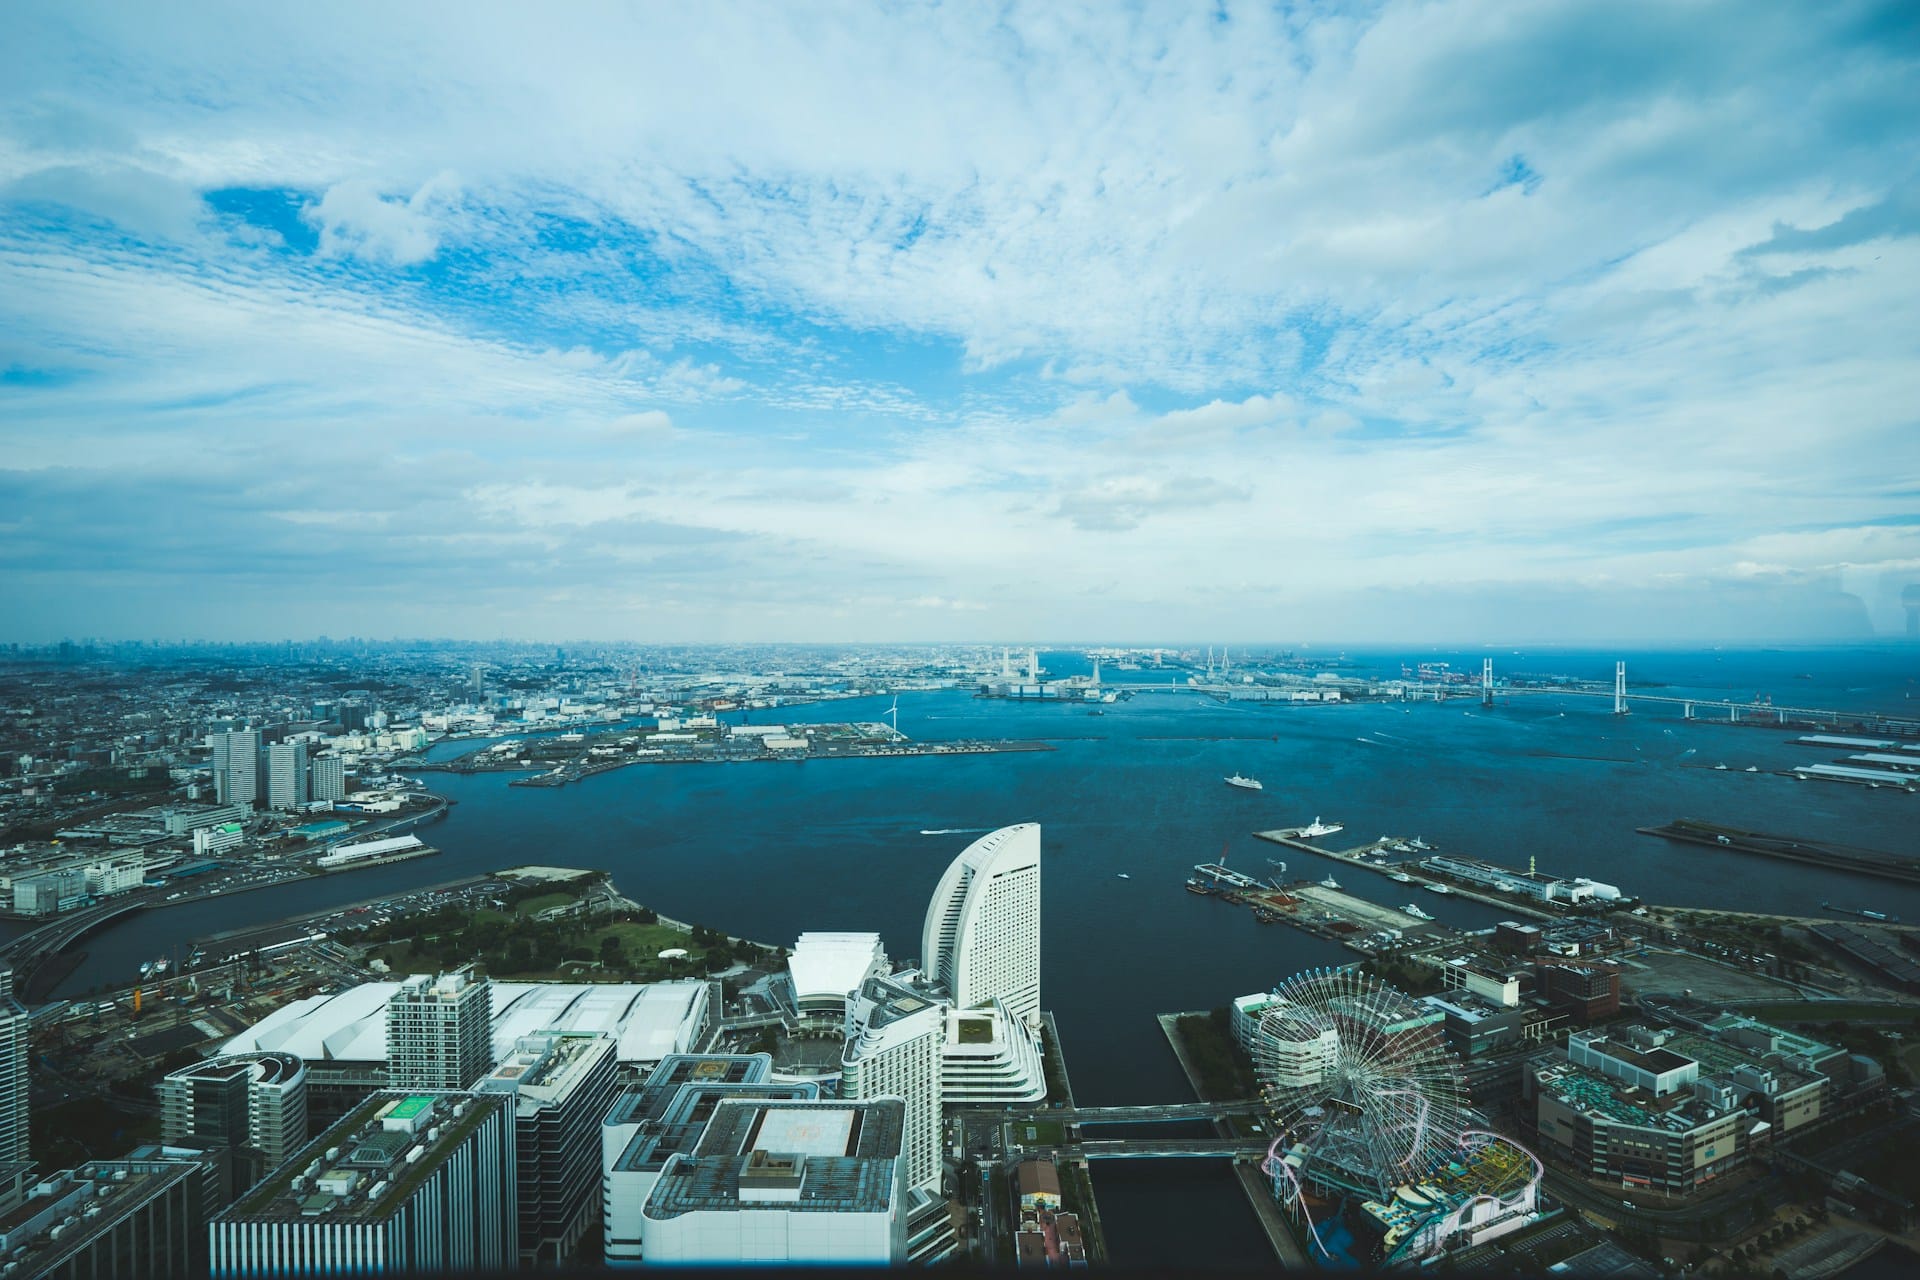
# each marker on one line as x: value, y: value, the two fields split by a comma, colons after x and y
x: 648, y: 1020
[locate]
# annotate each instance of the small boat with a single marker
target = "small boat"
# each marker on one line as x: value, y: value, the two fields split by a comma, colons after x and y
x: 1416, y: 912
x: 1194, y: 886
x: 1753, y: 768
x: 1438, y: 888
x: 1329, y: 883
x: 1275, y: 862
x: 1419, y: 844
x: 1245, y: 784
x: 1124, y: 876
x: 1721, y: 767
x: 160, y: 966
x: 1403, y: 877
x: 146, y: 968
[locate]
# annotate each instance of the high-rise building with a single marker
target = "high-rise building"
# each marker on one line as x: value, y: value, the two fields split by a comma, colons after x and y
x: 327, y: 778
x: 406, y: 1182
x: 236, y: 766
x: 774, y: 1183
x: 13, y: 1092
x: 982, y: 935
x: 256, y: 1100
x: 563, y: 1084
x: 287, y: 775
x: 893, y: 1050
x: 440, y: 1031
x: 111, y: 1220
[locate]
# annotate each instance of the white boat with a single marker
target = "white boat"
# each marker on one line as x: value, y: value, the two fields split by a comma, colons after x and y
x: 1320, y: 828
x: 1418, y: 843
x: 1403, y: 877
x: 1329, y: 883
x: 1753, y: 768
x: 160, y: 966
x: 1438, y: 888
x: 1125, y: 876
x: 146, y: 968
x: 1416, y: 912
x: 1245, y: 784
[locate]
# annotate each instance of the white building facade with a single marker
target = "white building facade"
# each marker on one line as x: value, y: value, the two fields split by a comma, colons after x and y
x: 982, y: 933
x: 895, y: 1035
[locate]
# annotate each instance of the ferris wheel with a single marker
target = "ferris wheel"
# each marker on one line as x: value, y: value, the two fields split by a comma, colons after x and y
x: 1359, y: 1081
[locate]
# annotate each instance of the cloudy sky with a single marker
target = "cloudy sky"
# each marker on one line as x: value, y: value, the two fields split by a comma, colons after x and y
x: 1397, y: 321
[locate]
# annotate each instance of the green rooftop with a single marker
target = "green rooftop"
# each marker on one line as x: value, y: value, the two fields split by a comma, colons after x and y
x: 409, y: 1108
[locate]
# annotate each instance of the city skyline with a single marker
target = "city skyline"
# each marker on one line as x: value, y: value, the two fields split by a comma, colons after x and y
x: 1386, y: 323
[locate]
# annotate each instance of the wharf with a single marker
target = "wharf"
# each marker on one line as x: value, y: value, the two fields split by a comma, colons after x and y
x: 379, y: 860
x: 1818, y: 853
x: 1367, y: 857
x: 1327, y: 913
x: 574, y: 772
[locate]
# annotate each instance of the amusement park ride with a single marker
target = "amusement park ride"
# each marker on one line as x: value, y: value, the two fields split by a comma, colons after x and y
x: 1370, y: 1106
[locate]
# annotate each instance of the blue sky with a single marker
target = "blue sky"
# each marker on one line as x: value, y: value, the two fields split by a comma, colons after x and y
x: 1392, y: 321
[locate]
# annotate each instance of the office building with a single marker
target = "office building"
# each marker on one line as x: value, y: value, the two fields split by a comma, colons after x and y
x: 14, y: 1163
x: 562, y: 1084
x: 236, y: 767
x: 132, y: 1219
x: 60, y: 889
x: 420, y: 1182
x: 774, y: 1183
x: 982, y: 934
x: 327, y: 778
x: 651, y: 1123
x: 894, y: 1037
x: 256, y: 1100
x: 1584, y: 991
x: 826, y: 968
x: 287, y: 775
x: 440, y: 1031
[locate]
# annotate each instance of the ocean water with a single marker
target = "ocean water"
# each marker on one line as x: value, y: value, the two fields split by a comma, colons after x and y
x: 766, y: 851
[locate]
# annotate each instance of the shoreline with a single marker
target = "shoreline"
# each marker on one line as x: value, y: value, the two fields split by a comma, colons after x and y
x: 1286, y: 1250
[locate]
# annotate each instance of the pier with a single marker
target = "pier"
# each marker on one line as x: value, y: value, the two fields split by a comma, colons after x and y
x: 1818, y: 853
x: 1369, y: 857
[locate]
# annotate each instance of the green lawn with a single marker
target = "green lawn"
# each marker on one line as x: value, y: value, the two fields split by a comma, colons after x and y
x: 534, y: 906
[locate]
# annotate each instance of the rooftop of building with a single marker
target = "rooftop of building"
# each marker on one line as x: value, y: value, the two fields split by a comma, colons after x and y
x: 366, y: 1165
x: 649, y: 1020
x: 677, y: 1127
x: 893, y: 1000
x: 265, y: 1068
x: 832, y: 964
x: 797, y: 1156
x: 1790, y: 1043
x: 544, y: 1068
x: 67, y: 1210
x: 1589, y: 1093
x: 650, y: 1100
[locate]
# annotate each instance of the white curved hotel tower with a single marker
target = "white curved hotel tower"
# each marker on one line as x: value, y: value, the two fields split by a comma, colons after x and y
x: 982, y: 937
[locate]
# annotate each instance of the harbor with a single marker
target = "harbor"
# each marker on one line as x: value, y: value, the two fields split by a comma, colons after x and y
x: 1374, y: 856
x: 1320, y: 909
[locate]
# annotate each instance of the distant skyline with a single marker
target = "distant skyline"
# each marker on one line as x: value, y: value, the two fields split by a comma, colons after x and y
x: 1389, y: 322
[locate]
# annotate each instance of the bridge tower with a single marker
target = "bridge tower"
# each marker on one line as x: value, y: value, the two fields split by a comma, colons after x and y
x: 1486, y: 682
x: 1619, y: 688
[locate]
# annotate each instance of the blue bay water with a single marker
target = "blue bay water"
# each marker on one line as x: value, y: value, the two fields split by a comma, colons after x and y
x: 768, y: 850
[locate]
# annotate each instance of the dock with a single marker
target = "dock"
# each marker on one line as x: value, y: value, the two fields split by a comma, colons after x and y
x: 1817, y: 853
x: 1370, y: 857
